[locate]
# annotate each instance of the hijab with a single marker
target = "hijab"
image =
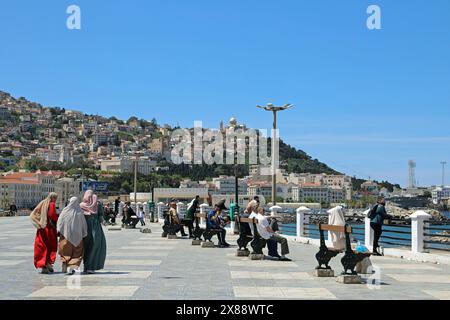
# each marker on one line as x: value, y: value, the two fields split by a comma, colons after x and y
x: 89, y: 204
x: 72, y: 224
x: 39, y: 215
x: 336, y: 218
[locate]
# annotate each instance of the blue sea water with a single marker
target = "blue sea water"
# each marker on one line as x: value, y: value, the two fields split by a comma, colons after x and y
x: 393, y: 236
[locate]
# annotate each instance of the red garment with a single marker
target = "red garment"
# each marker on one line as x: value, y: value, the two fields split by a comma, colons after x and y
x: 46, y: 242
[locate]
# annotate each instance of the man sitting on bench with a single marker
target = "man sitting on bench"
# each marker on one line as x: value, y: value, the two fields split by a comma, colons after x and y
x: 266, y: 232
x: 175, y: 219
x: 216, y: 223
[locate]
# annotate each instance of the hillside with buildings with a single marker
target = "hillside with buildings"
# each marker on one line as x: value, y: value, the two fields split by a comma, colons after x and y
x: 46, y: 149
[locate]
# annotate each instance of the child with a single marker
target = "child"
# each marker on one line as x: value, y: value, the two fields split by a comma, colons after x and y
x: 141, y: 216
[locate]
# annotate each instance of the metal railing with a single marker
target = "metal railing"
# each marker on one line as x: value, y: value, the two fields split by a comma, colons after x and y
x: 437, y: 235
x: 395, y: 234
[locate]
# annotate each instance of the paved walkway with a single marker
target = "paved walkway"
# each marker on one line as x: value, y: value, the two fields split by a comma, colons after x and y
x: 146, y: 266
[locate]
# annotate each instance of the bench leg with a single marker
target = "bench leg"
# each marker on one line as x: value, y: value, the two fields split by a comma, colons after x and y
x: 349, y: 261
x: 243, y: 241
x: 258, y: 244
x: 324, y: 256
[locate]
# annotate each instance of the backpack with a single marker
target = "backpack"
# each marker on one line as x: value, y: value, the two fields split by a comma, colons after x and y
x: 373, y: 212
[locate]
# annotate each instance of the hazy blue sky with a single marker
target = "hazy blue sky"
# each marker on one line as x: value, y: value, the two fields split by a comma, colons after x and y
x: 366, y: 101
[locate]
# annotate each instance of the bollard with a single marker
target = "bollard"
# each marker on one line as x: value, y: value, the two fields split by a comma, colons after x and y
x: 203, y: 209
x: 368, y: 231
x: 160, y: 207
x: 418, y: 219
x: 274, y: 210
x: 302, y: 218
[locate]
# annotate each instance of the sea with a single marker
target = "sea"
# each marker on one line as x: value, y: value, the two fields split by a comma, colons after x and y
x: 393, y: 236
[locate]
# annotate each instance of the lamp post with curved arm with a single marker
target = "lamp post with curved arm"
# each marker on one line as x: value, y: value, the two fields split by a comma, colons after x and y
x: 274, y: 110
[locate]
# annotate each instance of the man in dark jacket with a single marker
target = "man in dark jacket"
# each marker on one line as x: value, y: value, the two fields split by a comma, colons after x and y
x: 190, y: 215
x: 376, y: 223
x: 13, y: 210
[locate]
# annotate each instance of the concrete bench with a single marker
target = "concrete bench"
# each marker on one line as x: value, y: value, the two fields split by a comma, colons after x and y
x: 349, y: 260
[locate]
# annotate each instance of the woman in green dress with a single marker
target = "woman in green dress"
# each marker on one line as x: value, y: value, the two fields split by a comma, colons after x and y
x: 95, y: 243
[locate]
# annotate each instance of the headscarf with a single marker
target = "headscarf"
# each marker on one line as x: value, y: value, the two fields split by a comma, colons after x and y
x: 71, y: 223
x: 252, y: 206
x: 39, y: 215
x: 336, y: 218
x: 89, y: 204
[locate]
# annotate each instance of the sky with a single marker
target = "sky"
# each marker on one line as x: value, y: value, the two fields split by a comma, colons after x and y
x: 366, y: 101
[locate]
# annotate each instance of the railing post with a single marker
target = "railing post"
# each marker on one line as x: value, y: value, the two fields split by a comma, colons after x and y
x: 368, y: 231
x: 274, y: 210
x: 181, y: 209
x: 160, y: 206
x: 301, y: 219
x: 203, y: 210
x: 418, y: 219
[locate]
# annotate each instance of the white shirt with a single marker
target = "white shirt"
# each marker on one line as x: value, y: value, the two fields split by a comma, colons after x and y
x: 251, y: 216
x: 262, y: 225
x: 141, y: 214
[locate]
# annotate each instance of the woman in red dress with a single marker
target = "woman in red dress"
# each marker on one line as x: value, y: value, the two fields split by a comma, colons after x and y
x: 44, y: 218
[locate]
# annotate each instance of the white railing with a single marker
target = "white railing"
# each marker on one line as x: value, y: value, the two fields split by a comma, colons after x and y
x: 418, y: 220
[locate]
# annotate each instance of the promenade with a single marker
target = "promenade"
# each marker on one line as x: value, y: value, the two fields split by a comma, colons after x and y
x: 146, y: 266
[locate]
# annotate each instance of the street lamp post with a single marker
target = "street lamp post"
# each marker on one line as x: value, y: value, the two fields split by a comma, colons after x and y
x: 136, y: 163
x: 135, y: 182
x: 274, y: 110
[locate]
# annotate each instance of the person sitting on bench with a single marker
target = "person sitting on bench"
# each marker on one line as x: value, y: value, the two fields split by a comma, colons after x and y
x: 131, y: 218
x: 109, y: 215
x: 272, y: 245
x: 216, y: 222
x: 174, y: 218
x: 336, y: 218
x: 250, y: 212
x: 266, y: 232
x: 13, y: 210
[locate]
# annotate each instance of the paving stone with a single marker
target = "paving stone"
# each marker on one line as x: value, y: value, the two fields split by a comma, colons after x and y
x: 146, y: 266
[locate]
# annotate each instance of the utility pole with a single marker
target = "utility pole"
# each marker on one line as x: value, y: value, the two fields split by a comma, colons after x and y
x: 135, y: 181
x: 443, y: 163
x: 274, y: 110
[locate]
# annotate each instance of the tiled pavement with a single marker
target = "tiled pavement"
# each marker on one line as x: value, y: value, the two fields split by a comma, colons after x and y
x: 146, y: 266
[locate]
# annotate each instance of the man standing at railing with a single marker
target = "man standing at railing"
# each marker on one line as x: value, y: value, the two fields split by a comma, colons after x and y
x: 377, y: 216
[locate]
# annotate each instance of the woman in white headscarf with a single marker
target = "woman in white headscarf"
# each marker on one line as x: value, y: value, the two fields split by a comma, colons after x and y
x: 336, y: 218
x: 72, y: 228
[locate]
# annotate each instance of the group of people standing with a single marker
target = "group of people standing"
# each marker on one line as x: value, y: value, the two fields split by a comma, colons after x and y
x: 79, y: 228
